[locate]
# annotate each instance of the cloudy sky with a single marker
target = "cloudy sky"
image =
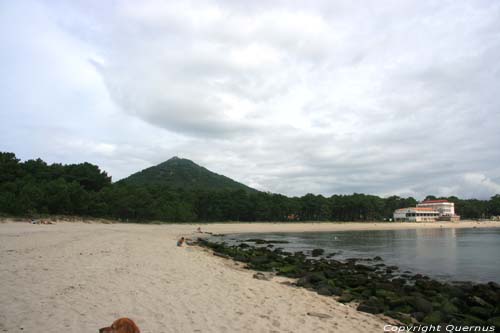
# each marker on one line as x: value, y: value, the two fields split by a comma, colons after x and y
x: 381, y: 97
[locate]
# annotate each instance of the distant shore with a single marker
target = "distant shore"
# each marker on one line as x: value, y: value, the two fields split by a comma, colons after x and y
x: 272, y: 226
x: 268, y: 227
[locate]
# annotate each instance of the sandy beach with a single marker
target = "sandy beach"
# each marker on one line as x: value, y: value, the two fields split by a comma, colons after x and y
x: 78, y: 277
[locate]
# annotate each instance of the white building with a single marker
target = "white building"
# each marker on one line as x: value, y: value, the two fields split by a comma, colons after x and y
x: 429, y: 210
x: 444, y: 207
x: 415, y: 214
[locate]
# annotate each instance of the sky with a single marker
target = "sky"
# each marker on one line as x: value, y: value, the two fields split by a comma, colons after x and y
x: 327, y: 97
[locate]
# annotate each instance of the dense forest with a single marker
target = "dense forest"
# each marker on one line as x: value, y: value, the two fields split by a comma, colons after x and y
x: 34, y: 188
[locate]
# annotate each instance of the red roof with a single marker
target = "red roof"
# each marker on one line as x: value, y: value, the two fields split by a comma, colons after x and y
x: 434, y: 201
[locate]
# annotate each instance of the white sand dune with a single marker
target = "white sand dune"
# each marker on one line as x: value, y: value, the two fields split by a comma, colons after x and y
x: 78, y: 277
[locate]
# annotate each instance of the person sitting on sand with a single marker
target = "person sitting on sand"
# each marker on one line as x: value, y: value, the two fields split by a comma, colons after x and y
x: 180, y: 241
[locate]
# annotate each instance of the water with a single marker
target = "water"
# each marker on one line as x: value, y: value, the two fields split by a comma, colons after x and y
x: 445, y: 254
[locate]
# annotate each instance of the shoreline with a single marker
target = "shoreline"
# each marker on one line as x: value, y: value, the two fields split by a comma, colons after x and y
x: 270, y: 227
x: 370, y: 285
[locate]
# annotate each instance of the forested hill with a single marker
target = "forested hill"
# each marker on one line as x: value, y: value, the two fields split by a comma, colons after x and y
x: 166, y: 193
x: 180, y: 173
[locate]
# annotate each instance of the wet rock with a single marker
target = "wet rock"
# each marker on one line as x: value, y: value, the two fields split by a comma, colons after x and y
x: 259, y: 260
x: 433, y: 318
x: 315, y: 277
x: 370, y: 306
x: 240, y: 258
x: 319, y: 315
x: 263, y: 241
x: 449, y: 307
x: 469, y: 320
x: 336, y: 291
x: 385, y: 293
x: 422, y: 305
x: 364, y: 268
x: 495, y: 321
x: 480, y: 312
x: 475, y: 300
x: 494, y: 285
x: 377, y: 258
x: 288, y: 269
x: 261, y: 276
x: 325, y: 291
x: 346, y: 298
x: 402, y: 317
x: 329, y: 273
x: 418, y: 315
x: 225, y: 256
x: 405, y: 308
x: 317, y: 252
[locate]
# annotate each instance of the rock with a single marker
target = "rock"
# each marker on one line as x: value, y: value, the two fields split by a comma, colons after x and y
x: 317, y: 252
x: 480, y: 312
x: 475, y: 300
x: 319, y: 315
x: 402, y: 317
x: 495, y: 321
x: 315, y: 277
x: 448, y: 307
x: 325, y: 291
x: 287, y: 269
x: 346, y: 298
x: 377, y: 258
x: 422, y: 305
x: 330, y: 273
x: 418, y: 315
x: 385, y: 293
x: 403, y: 308
x: 303, y: 281
x: 364, y: 268
x: 261, y: 276
x: 336, y: 291
x: 240, y: 258
x: 469, y: 320
x: 259, y: 260
x: 433, y: 318
x: 494, y: 285
x: 225, y: 256
x: 369, y: 307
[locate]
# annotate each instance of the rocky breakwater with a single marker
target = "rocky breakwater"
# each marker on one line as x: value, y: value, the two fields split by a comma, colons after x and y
x: 413, y: 299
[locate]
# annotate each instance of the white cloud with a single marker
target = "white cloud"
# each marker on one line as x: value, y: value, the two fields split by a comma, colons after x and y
x: 325, y: 97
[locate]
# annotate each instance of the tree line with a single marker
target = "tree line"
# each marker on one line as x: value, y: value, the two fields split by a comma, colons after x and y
x: 34, y: 188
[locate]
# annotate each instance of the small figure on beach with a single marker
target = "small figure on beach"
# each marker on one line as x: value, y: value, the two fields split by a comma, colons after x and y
x: 180, y: 241
x: 198, y: 230
x: 122, y: 325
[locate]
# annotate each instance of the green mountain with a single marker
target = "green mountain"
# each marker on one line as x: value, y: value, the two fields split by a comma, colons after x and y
x: 183, y: 173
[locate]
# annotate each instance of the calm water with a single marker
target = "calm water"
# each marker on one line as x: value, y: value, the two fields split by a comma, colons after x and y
x: 447, y: 254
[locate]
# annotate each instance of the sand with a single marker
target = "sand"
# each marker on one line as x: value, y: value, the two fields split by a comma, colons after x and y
x: 78, y: 277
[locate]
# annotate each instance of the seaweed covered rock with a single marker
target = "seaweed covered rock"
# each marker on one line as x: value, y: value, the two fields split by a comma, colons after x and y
x: 317, y: 252
x: 434, y: 318
x: 378, y: 288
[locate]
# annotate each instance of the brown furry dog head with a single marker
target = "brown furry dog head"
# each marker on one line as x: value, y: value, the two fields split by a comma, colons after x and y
x: 122, y: 325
